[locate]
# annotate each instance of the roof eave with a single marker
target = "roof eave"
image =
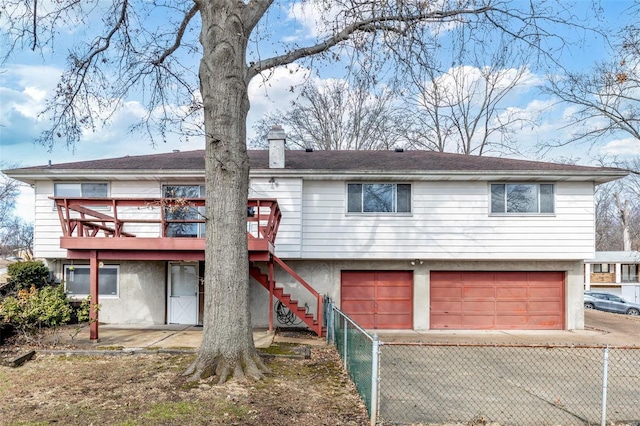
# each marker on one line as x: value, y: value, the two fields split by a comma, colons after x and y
x: 30, y: 176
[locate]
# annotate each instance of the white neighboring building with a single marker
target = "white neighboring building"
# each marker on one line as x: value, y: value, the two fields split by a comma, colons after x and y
x: 614, y: 272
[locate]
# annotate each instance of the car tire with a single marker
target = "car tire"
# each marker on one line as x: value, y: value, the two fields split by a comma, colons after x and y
x: 633, y: 311
x: 589, y: 306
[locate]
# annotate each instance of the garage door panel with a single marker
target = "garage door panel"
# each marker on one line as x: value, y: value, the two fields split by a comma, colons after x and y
x: 515, y: 306
x: 358, y: 278
x: 449, y: 306
x: 392, y: 321
x: 509, y: 322
x: 477, y: 306
x: 378, y: 299
x: 447, y: 320
x: 511, y: 292
x: 480, y: 291
x: 497, y: 300
x: 477, y: 322
x: 359, y: 307
x: 450, y: 277
x: 360, y: 293
x: 545, y: 292
x: 479, y: 278
x: 363, y: 320
x: 546, y: 277
x: 544, y: 322
x: 446, y: 292
x: 507, y: 279
x: 398, y: 292
x: 390, y: 306
x: 545, y: 307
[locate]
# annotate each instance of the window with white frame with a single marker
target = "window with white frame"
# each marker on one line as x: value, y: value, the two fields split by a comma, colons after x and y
x: 599, y: 268
x: 519, y: 198
x: 629, y: 273
x: 184, y: 213
x: 76, y: 280
x: 82, y: 190
x: 378, y: 198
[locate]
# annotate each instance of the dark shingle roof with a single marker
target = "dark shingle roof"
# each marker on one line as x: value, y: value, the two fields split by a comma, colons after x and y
x: 357, y: 161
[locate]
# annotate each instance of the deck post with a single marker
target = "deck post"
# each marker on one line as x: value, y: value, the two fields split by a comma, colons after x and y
x: 271, y: 285
x: 93, y: 291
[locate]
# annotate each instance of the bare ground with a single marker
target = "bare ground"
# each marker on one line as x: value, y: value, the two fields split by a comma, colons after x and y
x: 149, y: 390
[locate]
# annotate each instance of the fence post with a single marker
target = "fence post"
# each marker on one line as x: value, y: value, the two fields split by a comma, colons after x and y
x: 331, y: 326
x: 374, y: 379
x: 345, y: 340
x: 329, y: 308
x: 605, y: 370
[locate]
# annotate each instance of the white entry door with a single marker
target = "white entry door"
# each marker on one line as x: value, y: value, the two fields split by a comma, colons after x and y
x: 183, y: 293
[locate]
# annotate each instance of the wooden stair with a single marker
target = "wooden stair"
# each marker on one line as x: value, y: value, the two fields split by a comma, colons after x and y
x: 285, y: 298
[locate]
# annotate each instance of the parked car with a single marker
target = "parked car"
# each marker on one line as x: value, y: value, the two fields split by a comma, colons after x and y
x: 610, y: 303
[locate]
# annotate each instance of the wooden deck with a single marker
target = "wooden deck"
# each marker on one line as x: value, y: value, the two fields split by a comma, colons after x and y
x: 155, y: 228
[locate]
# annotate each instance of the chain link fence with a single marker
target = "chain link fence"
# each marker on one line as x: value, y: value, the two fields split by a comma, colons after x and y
x: 508, y: 385
x: 410, y: 383
x: 359, y: 352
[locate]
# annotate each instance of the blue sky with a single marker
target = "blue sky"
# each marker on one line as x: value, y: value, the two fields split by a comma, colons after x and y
x: 27, y: 79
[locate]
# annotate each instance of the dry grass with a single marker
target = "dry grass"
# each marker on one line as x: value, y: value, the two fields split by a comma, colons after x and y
x: 148, y: 390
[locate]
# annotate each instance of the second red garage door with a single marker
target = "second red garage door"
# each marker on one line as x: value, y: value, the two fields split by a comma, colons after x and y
x: 497, y: 300
x: 378, y: 299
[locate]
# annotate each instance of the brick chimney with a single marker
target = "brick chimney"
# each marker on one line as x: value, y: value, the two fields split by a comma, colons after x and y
x: 276, y: 138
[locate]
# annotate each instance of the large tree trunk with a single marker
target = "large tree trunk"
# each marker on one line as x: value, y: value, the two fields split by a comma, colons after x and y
x: 227, y: 348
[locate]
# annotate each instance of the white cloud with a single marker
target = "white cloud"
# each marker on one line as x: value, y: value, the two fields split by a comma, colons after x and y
x: 315, y: 18
x: 625, y: 146
x: 274, y: 90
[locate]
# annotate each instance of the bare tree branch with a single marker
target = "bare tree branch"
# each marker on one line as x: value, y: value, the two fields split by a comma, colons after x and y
x: 179, y: 34
x: 365, y: 25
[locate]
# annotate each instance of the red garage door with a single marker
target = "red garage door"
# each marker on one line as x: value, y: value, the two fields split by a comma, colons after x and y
x: 378, y: 299
x: 497, y: 300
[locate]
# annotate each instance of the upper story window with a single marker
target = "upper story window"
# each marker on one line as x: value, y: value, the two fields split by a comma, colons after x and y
x: 378, y: 198
x: 81, y: 190
x: 76, y: 280
x: 184, y: 213
x: 515, y: 198
x: 629, y: 273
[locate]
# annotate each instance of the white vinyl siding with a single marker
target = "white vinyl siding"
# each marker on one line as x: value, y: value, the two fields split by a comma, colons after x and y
x: 48, y: 230
x: 288, y: 192
x: 449, y: 221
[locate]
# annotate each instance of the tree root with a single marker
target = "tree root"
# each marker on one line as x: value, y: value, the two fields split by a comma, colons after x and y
x: 244, y: 367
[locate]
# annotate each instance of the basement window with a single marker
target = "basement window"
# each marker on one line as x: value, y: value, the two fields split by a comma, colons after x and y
x: 76, y: 280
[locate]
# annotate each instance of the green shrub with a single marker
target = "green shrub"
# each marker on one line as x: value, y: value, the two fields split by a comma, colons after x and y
x: 32, y: 309
x: 24, y: 275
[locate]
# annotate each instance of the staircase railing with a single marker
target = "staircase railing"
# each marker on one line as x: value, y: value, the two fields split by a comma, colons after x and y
x: 319, y: 298
x: 315, y: 323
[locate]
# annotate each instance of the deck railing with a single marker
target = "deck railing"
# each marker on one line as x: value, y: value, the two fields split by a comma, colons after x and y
x: 159, y: 217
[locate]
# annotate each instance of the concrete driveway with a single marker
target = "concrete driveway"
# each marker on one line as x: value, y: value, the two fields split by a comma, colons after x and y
x: 601, y: 328
x: 483, y: 377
